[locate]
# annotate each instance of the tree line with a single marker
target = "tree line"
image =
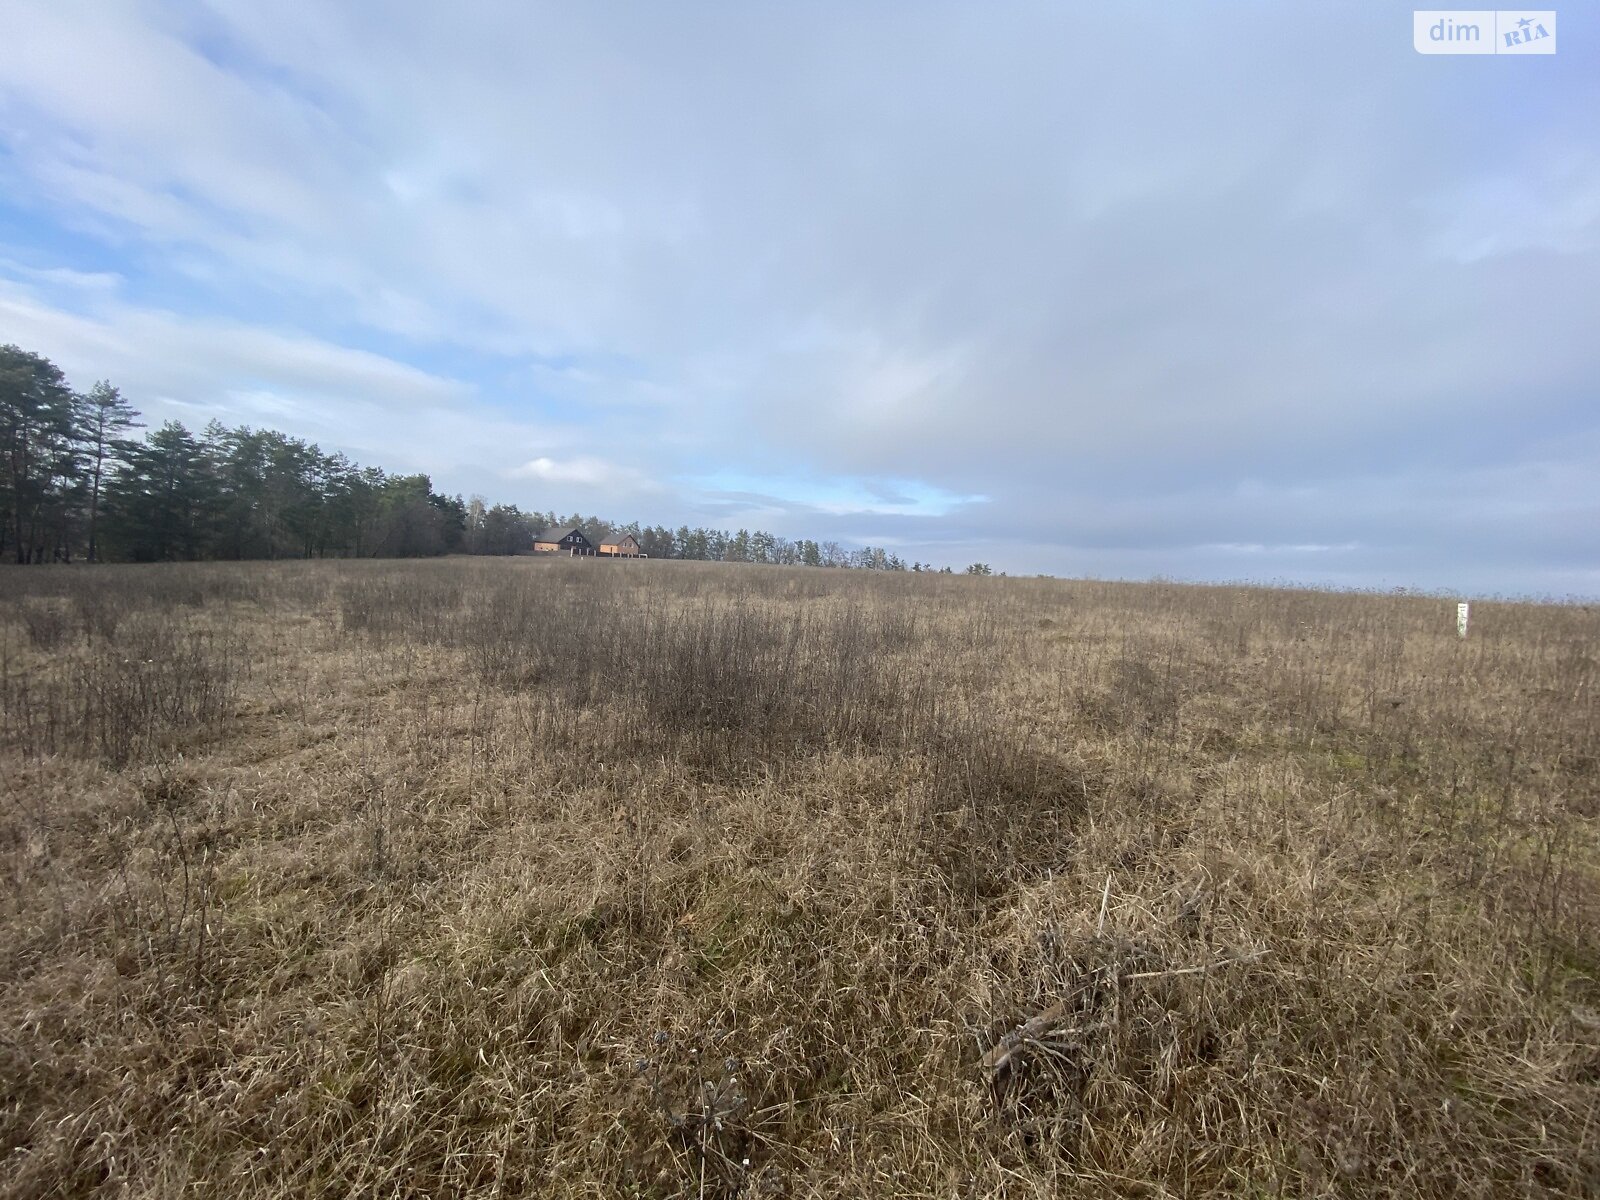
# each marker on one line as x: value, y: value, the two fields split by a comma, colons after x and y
x: 77, y: 483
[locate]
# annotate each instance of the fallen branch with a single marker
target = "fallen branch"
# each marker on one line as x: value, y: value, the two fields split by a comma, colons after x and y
x: 999, y: 1056
x: 1200, y: 970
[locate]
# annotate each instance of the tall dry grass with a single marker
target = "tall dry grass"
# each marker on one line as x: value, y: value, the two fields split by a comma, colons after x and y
x: 578, y: 878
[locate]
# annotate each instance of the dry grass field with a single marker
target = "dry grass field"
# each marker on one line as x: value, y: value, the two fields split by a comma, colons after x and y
x: 575, y: 878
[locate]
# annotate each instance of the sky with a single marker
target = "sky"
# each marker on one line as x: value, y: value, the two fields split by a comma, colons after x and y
x: 1215, y: 292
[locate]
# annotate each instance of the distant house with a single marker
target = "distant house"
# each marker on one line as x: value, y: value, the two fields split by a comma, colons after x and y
x: 623, y: 545
x: 563, y: 541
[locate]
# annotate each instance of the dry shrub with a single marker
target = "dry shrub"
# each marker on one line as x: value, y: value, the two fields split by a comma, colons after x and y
x: 164, y: 681
x: 394, y: 606
x: 125, y: 703
x: 47, y: 623
x: 100, y: 614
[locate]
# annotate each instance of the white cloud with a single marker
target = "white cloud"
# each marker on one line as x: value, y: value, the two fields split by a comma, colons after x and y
x: 162, y: 353
x: 583, y: 471
x: 1289, y: 548
x: 753, y: 496
x: 383, y: 412
x: 1551, y: 204
x: 90, y: 283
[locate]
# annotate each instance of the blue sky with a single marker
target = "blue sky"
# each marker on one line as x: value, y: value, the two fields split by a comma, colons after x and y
x: 1162, y: 289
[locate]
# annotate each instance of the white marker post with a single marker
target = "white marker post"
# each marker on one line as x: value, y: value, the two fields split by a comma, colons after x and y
x: 1461, y: 619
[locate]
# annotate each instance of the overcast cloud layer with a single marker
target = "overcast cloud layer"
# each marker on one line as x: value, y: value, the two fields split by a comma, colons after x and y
x: 1214, y: 292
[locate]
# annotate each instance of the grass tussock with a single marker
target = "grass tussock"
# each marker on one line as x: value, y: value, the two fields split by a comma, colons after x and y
x: 550, y: 878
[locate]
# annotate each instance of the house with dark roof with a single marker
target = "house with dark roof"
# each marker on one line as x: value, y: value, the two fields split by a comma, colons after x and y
x: 563, y: 541
x: 621, y: 545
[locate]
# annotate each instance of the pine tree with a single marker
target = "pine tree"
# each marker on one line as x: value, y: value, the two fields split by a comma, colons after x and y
x: 103, y: 419
x: 164, y: 499
x: 38, y: 460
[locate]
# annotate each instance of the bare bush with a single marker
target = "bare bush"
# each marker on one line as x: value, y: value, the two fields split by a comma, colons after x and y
x: 123, y: 704
x: 46, y: 622
x: 100, y: 614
